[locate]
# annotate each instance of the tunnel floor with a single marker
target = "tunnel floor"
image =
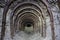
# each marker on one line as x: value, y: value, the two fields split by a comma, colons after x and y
x: 24, y: 36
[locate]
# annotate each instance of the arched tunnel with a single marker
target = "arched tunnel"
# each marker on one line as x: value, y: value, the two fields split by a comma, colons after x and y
x: 28, y: 16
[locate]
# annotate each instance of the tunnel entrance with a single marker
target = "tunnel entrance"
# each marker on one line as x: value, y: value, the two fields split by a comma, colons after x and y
x: 28, y: 25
